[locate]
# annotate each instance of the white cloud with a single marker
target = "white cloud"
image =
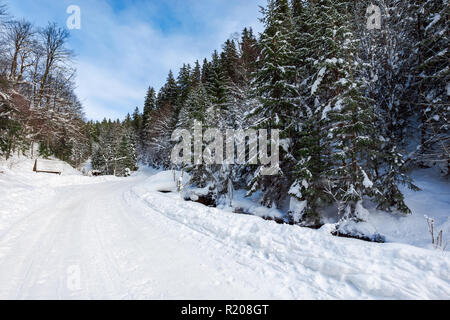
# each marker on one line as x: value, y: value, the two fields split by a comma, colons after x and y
x: 120, y: 52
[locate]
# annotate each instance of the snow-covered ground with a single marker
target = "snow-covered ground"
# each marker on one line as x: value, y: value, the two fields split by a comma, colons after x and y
x: 433, y: 201
x: 72, y: 236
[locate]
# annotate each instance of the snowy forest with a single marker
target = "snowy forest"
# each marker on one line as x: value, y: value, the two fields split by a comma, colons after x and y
x: 357, y: 108
x: 227, y: 149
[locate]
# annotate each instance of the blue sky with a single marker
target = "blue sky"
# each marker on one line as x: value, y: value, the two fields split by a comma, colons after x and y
x: 124, y: 46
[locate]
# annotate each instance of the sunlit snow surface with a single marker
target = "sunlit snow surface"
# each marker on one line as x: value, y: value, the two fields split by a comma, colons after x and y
x: 127, y: 240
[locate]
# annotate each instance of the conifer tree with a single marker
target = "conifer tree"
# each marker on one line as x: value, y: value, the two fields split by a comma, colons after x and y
x: 274, y: 87
x: 352, y: 138
x: 149, y: 105
x: 169, y: 92
x: 249, y: 52
x: 306, y: 191
x: 105, y: 149
x: 126, y: 153
x: 164, y: 118
x: 433, y: 84
x: 183, y: 84
x: 230, y: 60
x: 216, y: 83
x: 344, y: 98
x: 136, y: 121
x: 195, y: 108
x: 205, y: 71
x: 196, y: 77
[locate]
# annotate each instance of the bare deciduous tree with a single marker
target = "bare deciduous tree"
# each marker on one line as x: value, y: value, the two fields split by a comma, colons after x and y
x: 56, y: 55
x: 20, y: 38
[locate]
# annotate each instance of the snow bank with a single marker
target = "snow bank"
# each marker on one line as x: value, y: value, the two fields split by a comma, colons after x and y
x: 432, y: 201
x: 132, y: 241
x: 310, y: 263
x: 18, y: 198
x: 22, y: 170
x: 23, y: 191
x: 165, y: 181
x: 25, y: 165
x: 251, y: 206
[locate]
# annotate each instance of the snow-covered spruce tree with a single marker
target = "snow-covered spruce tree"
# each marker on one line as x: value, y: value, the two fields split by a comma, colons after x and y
x: 162, y: 122
x: 194, y: 108
x: 205, y: 71
x: 390, y: 58
x: 239, y: 65
x: 169, y: 92
x: 230, y: 60
x: 354, y: 140
x: 159, y: 136
x: 209, y: 105
x: 275, y: 89
x: 216, y: 86
x: 126, y: 152
x: 306, y: 192
x: 220, y: 101
x: 114, y: 147
x: 231, y: 69
x: 224, y: 105
x: 390, y: 197
x: 149, y: 107
x: 136, y: 121
x: 105, y: 148
x: 196, y: 75
x: 320, y: 35
x: 184, y: 84
x: 242, y: 101
x: 400, y: 78
x: 433, y: 83
x: 81, y: 148
x: 249, y: 52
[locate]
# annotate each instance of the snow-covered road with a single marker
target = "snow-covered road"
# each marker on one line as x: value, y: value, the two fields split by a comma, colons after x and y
x: 118, y: 253
x: 122, y: 239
